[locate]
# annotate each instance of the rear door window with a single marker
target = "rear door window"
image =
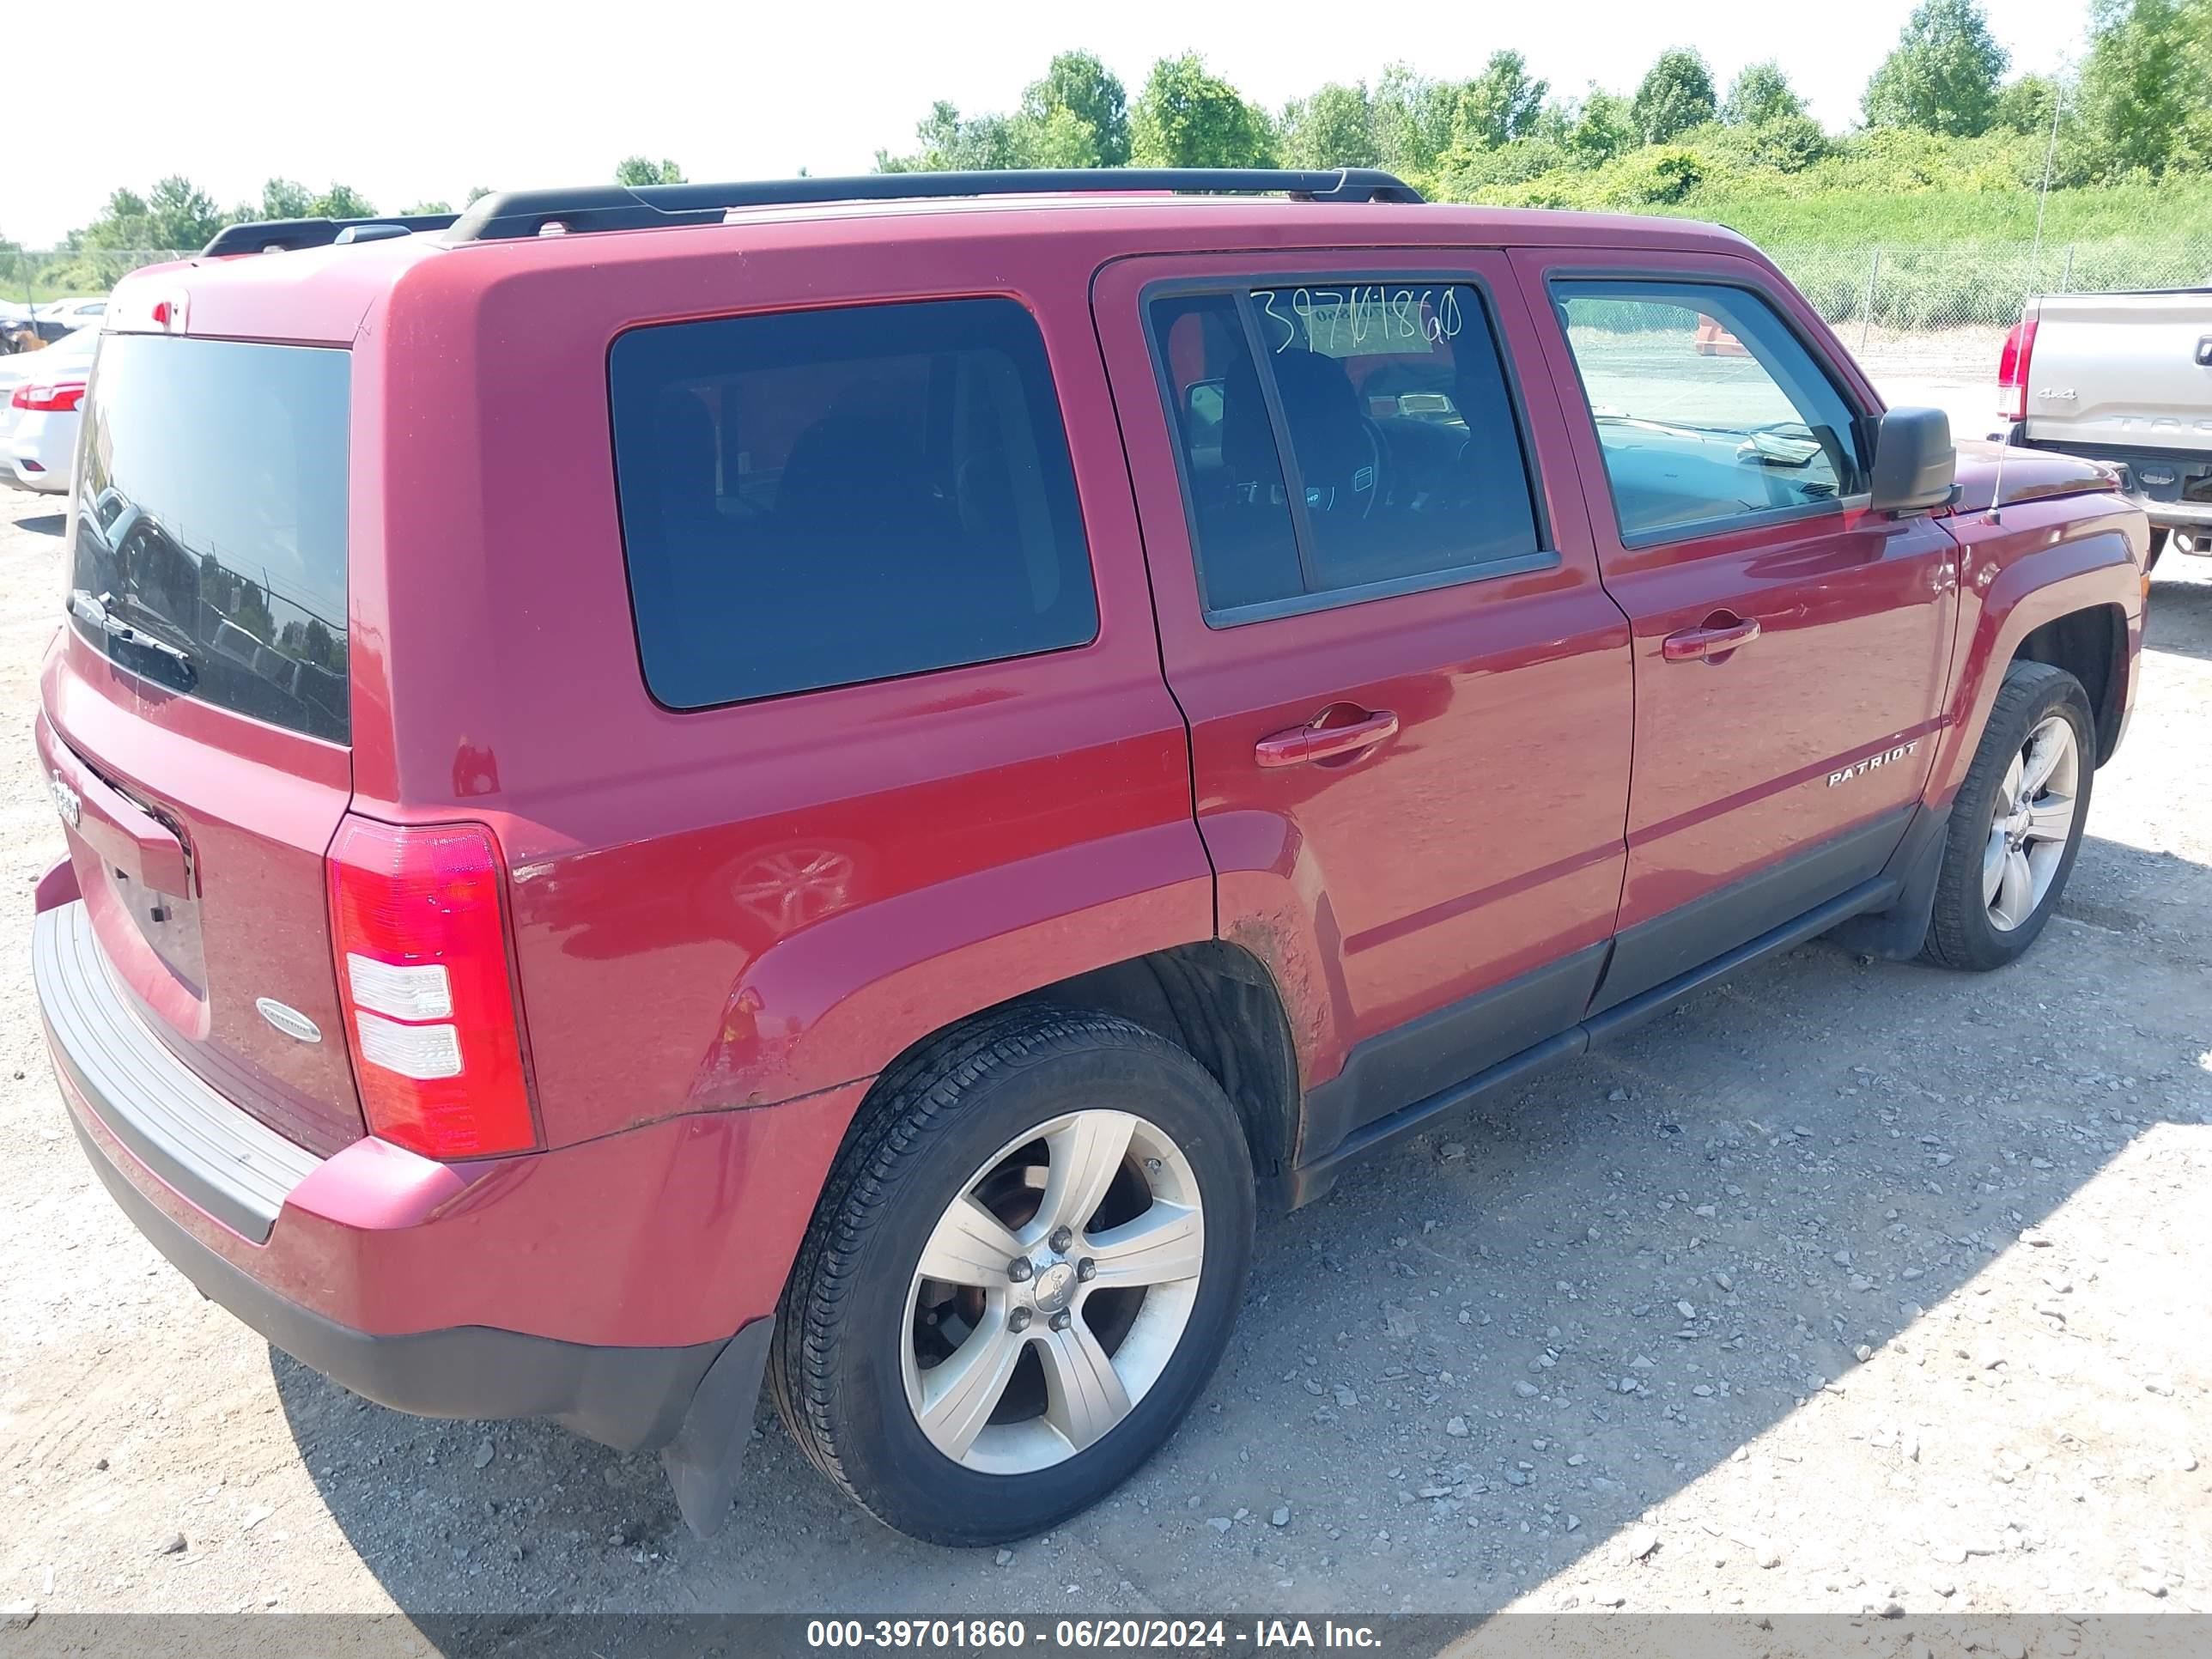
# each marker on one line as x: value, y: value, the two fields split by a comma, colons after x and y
x: 1350, y: 439
x: 211, y: 525
x: 813, y: 499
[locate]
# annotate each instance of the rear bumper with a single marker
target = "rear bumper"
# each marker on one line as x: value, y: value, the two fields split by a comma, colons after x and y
x: 39, y: 450
x: 578, y: 1285
x: 631, y: 1399
x: 2152, y: 480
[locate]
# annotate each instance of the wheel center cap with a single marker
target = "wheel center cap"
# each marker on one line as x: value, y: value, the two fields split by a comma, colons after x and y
x: 1054, y: 1288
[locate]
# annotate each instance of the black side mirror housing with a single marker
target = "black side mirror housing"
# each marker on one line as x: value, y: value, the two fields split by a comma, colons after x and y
x: 1914, y: 466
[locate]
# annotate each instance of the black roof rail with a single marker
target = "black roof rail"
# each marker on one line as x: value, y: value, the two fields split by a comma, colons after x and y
x: 260, y: 235
x: 615, y: 207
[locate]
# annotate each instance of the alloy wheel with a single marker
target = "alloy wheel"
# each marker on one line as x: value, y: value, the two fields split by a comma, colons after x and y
x: 1053, y: 1292
x: 2031, y: 823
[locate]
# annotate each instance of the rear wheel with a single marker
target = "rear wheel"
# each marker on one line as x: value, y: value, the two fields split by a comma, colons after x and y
x: 2016, y: 824
x: 1019, y: 1277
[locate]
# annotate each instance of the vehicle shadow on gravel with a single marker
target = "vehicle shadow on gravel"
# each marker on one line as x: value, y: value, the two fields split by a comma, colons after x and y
x: 1479, y: 1361
x: 42, y: 523
x: 2180, y: 619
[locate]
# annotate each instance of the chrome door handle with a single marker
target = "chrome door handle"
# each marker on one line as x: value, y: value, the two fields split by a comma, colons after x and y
x: 1314, y: 743
x: 1714, y: 640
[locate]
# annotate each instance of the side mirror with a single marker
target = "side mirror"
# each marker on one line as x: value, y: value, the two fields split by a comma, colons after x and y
x: 1914, y: 463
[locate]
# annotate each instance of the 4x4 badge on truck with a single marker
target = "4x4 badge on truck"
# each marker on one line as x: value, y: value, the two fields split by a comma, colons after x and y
x: 1871, y: 762
x: 289, y: 1020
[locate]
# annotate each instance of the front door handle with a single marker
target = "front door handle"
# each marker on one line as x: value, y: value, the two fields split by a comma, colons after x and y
x: 1715, y: 639
x: 1315, y: 743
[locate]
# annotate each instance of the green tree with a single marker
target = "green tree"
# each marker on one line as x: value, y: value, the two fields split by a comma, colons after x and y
x: 175, y: 214
x: 1761, y: 93
x: 283, y: 198
x: 1076, y: 84
x: 426, y: 207
x: 2145, y: 97
x: 1187, y: 117
x: 476, y: 194
x: 2024, y: 104
x: 1942, y: 76
x: 1331, y: 127
x: 950, y: 143
x: 1675, y: 96
x: 1059, y: 138
x: 1500, y: 105
x: 635, y: 170
x: 1413, y: 119
x: 343, y: 202
x: 1603, y: 127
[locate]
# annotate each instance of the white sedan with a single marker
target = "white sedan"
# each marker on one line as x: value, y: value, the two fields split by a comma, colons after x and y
x: 76, y: 314
x: 41, y: 396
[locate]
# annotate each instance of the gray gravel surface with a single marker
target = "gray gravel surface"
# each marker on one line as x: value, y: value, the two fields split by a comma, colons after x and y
x: 1846, y: 1284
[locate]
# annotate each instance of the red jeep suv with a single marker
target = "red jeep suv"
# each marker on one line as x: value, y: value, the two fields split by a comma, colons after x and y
x: 837, y: 779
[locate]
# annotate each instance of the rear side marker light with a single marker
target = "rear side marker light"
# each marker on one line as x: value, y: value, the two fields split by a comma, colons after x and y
x: 418, y: 924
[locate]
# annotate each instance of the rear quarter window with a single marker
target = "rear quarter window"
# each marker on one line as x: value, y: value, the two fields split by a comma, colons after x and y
x: 821, y: 498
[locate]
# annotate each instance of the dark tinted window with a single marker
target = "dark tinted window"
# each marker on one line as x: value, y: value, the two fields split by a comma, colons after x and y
x: 815, y: 498
x: 1708, y: 409
x: 211, y: 525
x: 1405, y: 454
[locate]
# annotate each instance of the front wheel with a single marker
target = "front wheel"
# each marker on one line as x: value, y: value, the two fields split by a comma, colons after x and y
x: 2016, y: 824
x: 1021, y: 1273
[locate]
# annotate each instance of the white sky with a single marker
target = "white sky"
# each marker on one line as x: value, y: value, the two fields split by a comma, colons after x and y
x: 407, y: 100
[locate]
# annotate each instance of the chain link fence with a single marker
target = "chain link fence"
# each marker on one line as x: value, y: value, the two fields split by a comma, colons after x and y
x: 1937, y: 308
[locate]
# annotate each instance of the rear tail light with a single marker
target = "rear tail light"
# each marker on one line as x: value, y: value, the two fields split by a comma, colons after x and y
x: 418, y: 927
x: 2012, y: 370
x: 54, y: 398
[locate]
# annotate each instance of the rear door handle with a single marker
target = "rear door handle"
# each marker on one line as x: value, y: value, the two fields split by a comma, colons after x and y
x: 2204, y: 351
x: 1694, y: 644
x: 1314, y: 743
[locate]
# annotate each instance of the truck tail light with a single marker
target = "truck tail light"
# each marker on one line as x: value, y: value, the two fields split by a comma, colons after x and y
x: 2012, y: 370
x: 418, y: 927
x: 54, y: 398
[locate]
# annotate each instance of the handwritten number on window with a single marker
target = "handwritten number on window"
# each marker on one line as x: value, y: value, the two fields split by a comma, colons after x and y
x: 1327, y: 320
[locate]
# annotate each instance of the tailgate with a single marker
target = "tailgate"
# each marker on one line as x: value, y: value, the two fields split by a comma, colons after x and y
x: 194, y: 721
x: 2127, y: 370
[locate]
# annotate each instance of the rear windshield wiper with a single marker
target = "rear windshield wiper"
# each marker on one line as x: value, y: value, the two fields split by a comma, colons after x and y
x: 156, y: 659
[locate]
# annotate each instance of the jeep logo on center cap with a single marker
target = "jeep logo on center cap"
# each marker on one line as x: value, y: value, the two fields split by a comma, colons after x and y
x: 289, y: 1020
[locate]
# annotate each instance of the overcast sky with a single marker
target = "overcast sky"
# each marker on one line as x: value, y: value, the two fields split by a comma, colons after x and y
x: 407, y: 100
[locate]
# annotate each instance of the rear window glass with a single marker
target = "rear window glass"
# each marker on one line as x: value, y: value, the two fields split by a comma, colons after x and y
x: 812, y: 499
x: 210, y: 524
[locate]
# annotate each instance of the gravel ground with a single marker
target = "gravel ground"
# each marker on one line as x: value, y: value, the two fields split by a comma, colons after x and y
x: 1847, y: 1285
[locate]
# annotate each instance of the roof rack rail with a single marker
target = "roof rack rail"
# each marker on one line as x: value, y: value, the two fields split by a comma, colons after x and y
x: 613, y: 207
x: 261, y: 235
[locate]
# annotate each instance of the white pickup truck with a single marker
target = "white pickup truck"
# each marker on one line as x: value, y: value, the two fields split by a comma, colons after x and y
x: 2125, y: 379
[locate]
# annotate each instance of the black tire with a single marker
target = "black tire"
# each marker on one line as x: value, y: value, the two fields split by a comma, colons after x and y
x: 1959, y: 932
x: 933, y: 1120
